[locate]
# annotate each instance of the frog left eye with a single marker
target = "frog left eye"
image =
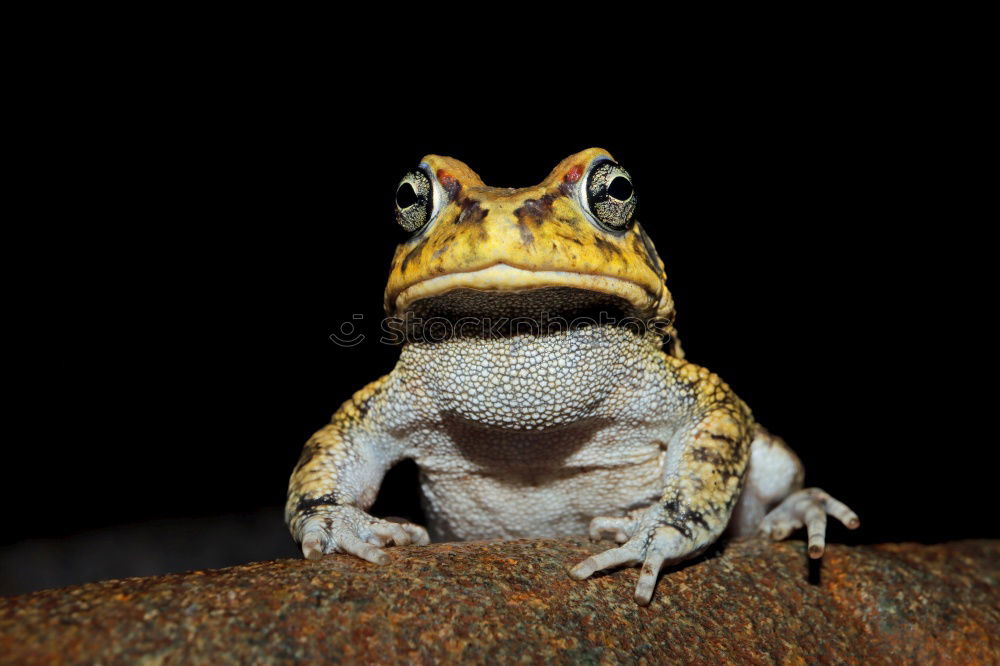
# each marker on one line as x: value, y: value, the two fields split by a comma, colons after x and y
x: 610, y: 195
x: 414, y: 200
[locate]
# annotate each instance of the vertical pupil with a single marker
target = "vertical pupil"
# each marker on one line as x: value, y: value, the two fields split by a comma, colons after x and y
x: 620, y: 188
x: 405, y: 196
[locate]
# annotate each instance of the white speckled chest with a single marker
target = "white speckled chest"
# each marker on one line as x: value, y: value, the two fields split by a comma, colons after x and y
x: 532, y: 436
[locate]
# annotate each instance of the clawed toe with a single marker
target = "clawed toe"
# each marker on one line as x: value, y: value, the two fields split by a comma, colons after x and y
x: 313, y: 545
x: 616, y: 557
x: 808, y: 508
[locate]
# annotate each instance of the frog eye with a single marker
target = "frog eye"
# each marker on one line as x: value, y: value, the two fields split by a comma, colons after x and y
x: 610, y: 195
x: 414, y: 200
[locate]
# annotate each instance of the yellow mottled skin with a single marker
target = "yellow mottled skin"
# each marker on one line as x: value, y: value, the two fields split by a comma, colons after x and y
x: 546, y: 432
x: 538, y: 229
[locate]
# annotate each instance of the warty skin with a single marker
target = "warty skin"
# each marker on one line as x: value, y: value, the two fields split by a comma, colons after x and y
x: 594, y: 427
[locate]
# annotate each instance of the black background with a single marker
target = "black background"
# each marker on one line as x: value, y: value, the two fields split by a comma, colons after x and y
x: 186, y: 273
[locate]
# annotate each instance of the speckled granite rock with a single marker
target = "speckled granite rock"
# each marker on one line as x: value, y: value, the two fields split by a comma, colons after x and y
x: 751, y: 602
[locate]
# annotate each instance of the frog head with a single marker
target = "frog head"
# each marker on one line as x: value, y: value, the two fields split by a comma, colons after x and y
x: 572, y: 240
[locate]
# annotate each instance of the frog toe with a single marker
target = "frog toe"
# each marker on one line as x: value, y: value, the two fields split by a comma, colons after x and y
x: 618, y: 529
x: 807, y: 508
x: 628, y: 555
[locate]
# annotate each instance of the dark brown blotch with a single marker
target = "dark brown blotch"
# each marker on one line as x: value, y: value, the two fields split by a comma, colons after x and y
x: 413, y: 254
x: 450, y: 184
x: 606, y: 247
x: 471, y: 212
x: 573, y: 239
x: 536, y: 210
x: 696, y: 517
x: 307, y: 506
x: 706, y: 455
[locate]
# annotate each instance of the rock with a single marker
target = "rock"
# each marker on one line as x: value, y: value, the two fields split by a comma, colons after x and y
x: 499, y: 602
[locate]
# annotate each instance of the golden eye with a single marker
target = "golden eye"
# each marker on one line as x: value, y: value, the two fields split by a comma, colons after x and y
x: 611, y: 196
x: 414, y: 200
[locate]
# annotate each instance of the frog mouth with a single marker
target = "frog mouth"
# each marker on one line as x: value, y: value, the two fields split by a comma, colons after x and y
x: 502, y: 277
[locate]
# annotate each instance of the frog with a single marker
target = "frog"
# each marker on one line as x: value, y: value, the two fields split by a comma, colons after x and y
x: 542, y: 391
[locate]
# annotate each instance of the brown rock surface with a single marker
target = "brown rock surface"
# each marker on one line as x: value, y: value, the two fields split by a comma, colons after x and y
x: 501, y: 602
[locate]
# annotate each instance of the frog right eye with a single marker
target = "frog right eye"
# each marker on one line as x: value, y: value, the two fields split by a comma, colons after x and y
x: 414, y: 200
x: 610, y: 196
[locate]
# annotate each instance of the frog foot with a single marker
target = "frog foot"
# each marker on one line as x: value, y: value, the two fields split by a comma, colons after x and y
x: 348, y: 529
x: 808, y: 507
x: 646, y: 541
